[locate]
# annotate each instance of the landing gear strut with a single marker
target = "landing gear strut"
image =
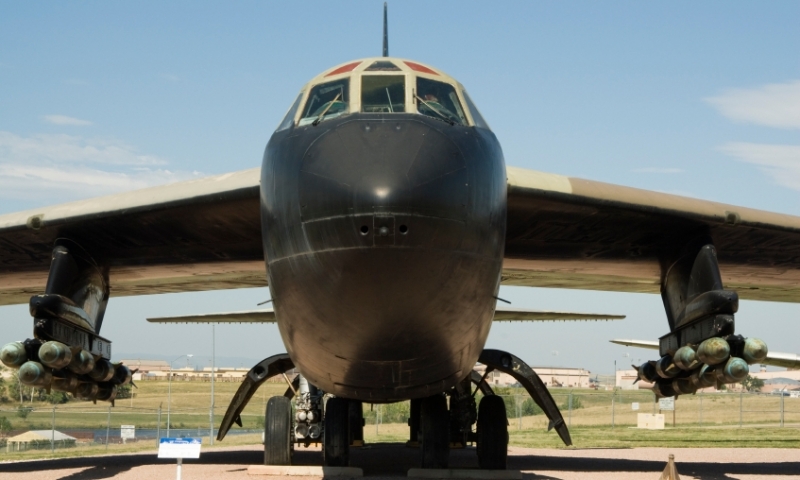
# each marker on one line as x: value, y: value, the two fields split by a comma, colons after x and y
x: 434, y: 432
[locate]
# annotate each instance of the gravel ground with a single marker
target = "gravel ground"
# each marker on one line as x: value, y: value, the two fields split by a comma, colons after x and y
x: 392, y: 461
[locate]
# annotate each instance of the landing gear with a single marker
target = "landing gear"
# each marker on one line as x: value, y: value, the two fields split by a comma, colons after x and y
x: 434, y: 432
x: 492, y: 433
x: 336, y: 447
x: 277, y: 432
x: 356, y: 415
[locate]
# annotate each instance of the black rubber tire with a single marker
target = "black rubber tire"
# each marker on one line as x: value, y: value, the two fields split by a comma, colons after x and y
x: 336, y: 444
x: 356, y: 418
x: 434, y: 432
x: 277, y: 432
x: 413, y: 421
x: 492, y: 433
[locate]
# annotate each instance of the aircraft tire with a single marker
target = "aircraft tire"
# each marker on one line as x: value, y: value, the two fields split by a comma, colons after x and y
x: 356, y: 418
x: 434, y: 435
x: 277, y: 432
x: 492, y: 431
x: 336, y: 446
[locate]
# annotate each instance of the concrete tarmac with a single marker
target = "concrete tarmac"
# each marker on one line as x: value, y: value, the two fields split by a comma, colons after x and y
x: 393, y: 461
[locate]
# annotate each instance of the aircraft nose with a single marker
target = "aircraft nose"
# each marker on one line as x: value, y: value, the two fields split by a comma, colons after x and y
x: 365, y: 167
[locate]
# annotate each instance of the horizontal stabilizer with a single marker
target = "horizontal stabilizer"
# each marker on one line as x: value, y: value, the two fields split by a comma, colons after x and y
x: 774, y: 359
x: 266, y: 315
x: 510, y: 314
x: 504, y: 314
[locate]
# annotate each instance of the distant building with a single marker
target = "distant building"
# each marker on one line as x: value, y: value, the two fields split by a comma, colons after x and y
x: 551, y: 376
x: 38, y: 439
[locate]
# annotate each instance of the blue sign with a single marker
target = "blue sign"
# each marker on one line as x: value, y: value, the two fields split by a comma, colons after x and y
x: 179, y: 447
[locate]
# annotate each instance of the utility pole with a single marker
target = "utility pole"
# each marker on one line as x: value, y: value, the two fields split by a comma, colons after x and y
x: 213, y: 374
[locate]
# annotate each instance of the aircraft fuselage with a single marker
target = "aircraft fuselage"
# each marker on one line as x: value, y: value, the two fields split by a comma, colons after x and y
x: 383, y: 236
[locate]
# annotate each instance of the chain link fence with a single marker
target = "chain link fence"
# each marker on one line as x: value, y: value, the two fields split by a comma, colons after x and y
x: 97, y: 428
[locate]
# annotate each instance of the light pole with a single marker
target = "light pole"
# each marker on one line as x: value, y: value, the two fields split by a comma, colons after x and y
x: 213, y: 373
x: 169, y: 387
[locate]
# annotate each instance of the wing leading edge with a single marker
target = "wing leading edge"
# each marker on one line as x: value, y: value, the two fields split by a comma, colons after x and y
x: 572, y: 233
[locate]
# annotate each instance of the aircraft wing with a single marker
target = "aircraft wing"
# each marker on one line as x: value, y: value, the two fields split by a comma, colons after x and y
x: 572, y: 233
x: 775, y: 359
x: 501, y: 314
x: 201, y: 234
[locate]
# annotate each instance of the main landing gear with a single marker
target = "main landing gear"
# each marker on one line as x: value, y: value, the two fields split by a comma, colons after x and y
x: 435, y: 429
x: 338, y: 423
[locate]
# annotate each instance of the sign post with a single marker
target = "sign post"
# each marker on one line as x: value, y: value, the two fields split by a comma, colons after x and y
x: 127, y: 432
x: 179, y: 448
x: 667, y: 404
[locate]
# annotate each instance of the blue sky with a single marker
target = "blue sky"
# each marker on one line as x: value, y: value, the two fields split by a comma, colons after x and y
x: 695, y: 99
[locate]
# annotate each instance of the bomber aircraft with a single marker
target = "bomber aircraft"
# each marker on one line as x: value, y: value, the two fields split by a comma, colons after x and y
x: 387, y: 220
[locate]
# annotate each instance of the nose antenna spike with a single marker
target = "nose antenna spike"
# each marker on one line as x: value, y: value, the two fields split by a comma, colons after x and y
x: 385, y: 31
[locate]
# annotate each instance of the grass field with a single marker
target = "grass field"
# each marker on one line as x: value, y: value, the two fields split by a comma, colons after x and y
x: 701, y: 420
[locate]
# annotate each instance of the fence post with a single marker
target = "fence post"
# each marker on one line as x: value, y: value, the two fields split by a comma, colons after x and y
x: 741, y: 399
x: 211, y: 425
x: 613, y: 394
x: 158, y: 427
x: 782, y: 397
x: 569, y: 410
x: 108, y: 425
x: 53, y: 432
x: 700, y: 395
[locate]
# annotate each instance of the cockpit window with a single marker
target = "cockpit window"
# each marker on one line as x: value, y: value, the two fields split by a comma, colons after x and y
x: 476, y: 115
x: 326, y: 100
x: 288, y: 119
x: 383, y: 93
x: 439, y: 100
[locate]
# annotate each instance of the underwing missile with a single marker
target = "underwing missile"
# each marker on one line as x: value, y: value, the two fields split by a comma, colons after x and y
x: 666, y: 368
x: 34, y: 374
x: 55, y: 355
x: 704, y: 377
x: 755, y: 351
x: 106, y: 392
x: 684, y: 386
x: 646, y: 372
x: 122, y: 375
x: 82, y: 362
x: 65, y: 381
x: 87, y: 391
x: 713, y: 351
x: 685, y: 358
x: 734, y: 370
x: 102, y: 371
x: 13, y: 355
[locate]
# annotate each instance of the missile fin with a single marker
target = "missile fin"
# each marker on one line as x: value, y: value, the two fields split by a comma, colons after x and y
x: 238, y: 420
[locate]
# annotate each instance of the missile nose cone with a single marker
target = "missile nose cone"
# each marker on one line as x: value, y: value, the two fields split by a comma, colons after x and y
x: 34, y: 374
x: 755, y: 351
x: 55, y: 354
x: 13, y: 355
x: 713, y: 351
x: 685, y: 358
x: 734, y: 370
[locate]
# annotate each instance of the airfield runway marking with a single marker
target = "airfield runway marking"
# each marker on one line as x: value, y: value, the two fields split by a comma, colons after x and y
x: 394, y: 460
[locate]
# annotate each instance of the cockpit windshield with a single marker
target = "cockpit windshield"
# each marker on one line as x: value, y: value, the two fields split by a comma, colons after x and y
x: 383, y: 93
x: 439, y: 100
x: 326, y: 100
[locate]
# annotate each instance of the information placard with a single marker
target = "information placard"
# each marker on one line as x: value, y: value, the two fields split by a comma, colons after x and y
x: 666, y: 403
x: 635, y: 406
x: 127, y: 432
x: 179, y: 448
